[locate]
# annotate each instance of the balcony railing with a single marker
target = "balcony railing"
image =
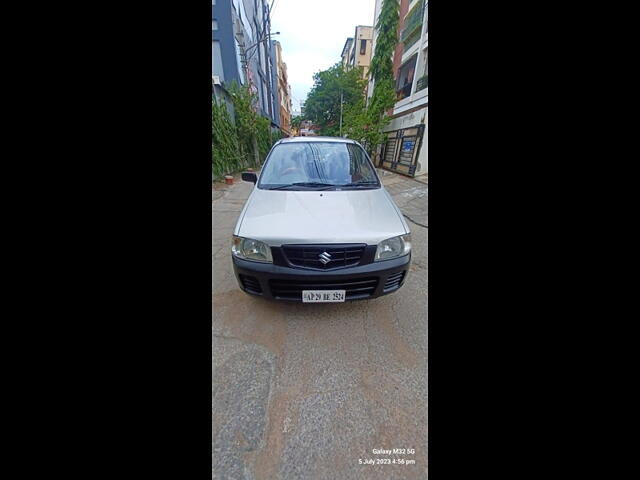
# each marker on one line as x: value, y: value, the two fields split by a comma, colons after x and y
x: 412, y: 21
x: 411, y: 40
x: 422, y: 83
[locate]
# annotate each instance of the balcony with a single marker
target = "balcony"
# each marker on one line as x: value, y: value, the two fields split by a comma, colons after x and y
x: 404, y: 80
x: 422, y: 83
x: 412, y: 25
x: 411, y: 41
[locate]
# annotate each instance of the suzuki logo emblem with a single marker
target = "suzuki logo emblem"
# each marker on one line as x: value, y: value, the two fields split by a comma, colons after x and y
x: 324, y: 258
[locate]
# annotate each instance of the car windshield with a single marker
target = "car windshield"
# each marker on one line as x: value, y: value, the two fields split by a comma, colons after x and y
x: 317, y: 165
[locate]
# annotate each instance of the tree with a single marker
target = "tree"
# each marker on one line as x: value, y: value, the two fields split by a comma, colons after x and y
x: 331, y: 86
x: 244, y: 101
x: 357, y: 121
x: 360, y: 121
x: 296, y: 120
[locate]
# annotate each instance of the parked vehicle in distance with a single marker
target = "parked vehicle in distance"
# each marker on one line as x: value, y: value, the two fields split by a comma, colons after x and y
x: 319, y: 226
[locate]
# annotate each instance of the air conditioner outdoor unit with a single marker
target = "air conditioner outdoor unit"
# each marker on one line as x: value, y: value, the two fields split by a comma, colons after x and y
x: 216, y: 80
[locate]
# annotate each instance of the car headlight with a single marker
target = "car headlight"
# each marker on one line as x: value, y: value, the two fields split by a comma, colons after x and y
x: 393, y: 247
x: 251, y: 250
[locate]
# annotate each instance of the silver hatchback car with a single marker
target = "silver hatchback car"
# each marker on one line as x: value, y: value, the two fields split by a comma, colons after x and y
x: 319, y: 226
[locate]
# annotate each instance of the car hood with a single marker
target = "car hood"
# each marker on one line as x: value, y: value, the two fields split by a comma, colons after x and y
x: 348, y: 216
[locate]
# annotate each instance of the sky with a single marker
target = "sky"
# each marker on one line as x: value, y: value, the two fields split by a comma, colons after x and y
x: 312, y: 34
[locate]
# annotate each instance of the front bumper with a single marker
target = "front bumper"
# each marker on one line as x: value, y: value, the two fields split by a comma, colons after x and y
x: 285, y: 283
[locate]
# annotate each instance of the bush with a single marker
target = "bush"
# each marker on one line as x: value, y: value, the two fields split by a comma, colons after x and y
x: 226, y: 157
x: 241, y: 142
x: 263, y: 127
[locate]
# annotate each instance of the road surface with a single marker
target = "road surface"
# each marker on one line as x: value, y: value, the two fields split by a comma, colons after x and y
x: 320, y: 391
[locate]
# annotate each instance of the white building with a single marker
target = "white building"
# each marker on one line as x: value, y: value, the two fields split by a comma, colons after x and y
x: 356, y: 52
x: 406, y: 148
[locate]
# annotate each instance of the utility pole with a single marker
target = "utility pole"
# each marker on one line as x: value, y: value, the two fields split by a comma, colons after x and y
x: 340, y: 112
x: 266, y: 29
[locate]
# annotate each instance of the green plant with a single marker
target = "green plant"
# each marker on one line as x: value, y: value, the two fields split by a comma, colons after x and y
x: 246, y: 120
x: 296, y: 120
x: 381, y: 71
x: 387, y: 26
x: 265, y: 140
x: 226, y: 156
x: 337, y: 86
x: 332, y: 87
x: 243, y: 142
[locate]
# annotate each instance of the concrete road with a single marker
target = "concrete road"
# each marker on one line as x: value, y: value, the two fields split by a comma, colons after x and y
x: 309, y: 391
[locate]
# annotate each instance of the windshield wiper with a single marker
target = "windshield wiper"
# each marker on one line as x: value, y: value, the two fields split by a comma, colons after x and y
x: 304, y: 184
x: 359, y: 184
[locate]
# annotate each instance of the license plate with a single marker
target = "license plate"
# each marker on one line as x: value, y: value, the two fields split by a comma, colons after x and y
x: 323, y: 296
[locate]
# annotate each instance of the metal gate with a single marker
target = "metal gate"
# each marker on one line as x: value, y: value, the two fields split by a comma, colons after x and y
x: 400, y: 151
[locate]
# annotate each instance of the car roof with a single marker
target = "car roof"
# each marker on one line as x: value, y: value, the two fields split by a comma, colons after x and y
x: 316, y: 139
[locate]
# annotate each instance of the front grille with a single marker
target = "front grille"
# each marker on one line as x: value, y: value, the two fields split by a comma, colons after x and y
x: 393, y: 281
x: 335, y: 256
x: 354, y: 289
x: 250, y: 284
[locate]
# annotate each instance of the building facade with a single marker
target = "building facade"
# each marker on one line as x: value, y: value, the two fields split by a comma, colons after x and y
x: 357, y: 50
x: 283, y: 90
x: 308, y: 129
x: 242, y: 52
x: 346, y: 51
x: 406, y: 148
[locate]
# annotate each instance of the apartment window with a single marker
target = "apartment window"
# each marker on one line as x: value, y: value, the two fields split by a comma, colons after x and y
x: 363, y: 47
x: 422, y: 81
x: 217, y: 60
x: 405, y: 78
x: 214, y: 25
x: 412, y: 26
x: 426, y: 62
x: 264, y: 96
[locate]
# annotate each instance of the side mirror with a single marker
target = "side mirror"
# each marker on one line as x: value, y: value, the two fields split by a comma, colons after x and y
x: 250, y: 177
